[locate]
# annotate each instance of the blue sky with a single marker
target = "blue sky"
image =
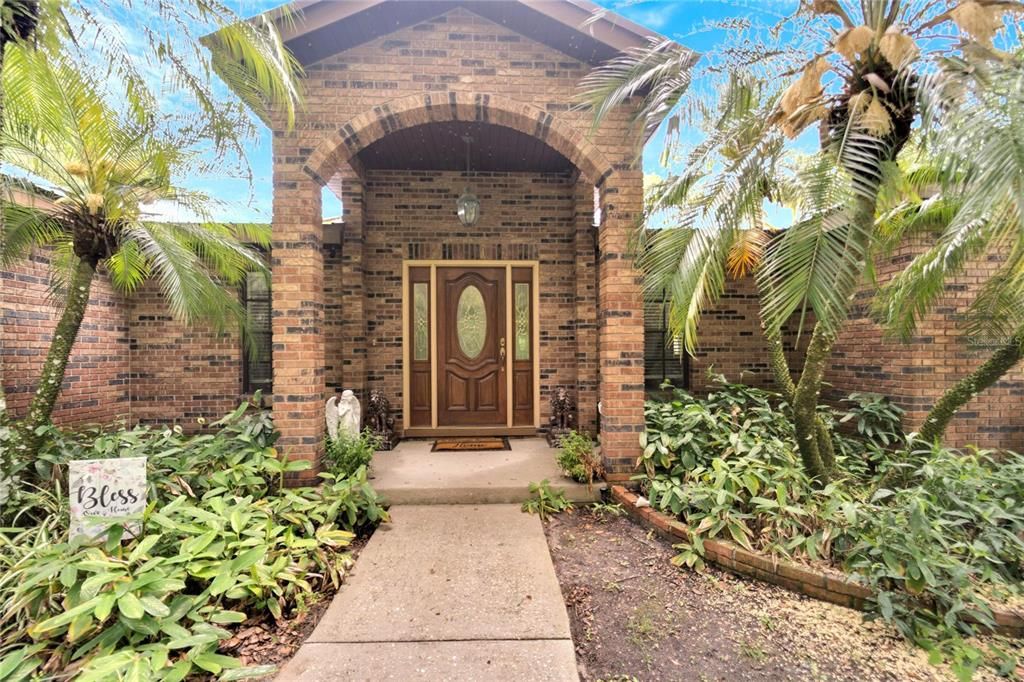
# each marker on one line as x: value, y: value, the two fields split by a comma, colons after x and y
x: 686, y: 21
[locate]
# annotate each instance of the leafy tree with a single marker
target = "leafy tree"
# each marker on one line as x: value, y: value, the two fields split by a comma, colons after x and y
x: 857, y: 67
x: 108, y: 166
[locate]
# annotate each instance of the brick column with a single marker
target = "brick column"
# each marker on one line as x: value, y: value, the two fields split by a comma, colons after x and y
x: 298, y: 312
x: 620, y: 324
x: 353, y: 292
x: 586, y: 308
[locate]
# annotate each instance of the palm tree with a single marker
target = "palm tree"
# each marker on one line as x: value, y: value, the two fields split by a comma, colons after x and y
x: 108, y: 167
x: 720, y: 228
x: 967, y: 194
x: 18, y: 20
x: 857, y: 66
x: 248, y: 55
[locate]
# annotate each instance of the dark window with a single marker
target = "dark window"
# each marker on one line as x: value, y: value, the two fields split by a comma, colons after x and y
x: 665, y: 359
x: 257, y: 371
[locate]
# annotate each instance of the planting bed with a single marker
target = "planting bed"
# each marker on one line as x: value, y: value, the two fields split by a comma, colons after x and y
x: 634, y: 615
x: 262, y: 641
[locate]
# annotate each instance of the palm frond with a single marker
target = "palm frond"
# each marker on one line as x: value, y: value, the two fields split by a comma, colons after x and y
x: 697, y: 282
x: 658, y: 75
x: 997, y: 311
x: 974, y: 128
x: 746, y: 252
x: 253, y: 60
x: 718, y: 203
x: 25, y: 228
x: 817, y: 263
x: 107, y: 167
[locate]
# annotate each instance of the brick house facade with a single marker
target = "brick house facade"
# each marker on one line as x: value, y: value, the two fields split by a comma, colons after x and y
x: 390, y: 92
x: 381, y: 129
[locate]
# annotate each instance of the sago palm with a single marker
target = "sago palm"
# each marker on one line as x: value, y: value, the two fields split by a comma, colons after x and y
x: 720, y: 227
x: 249, y: 56
x: 857, y: 66
x: 108, y: 166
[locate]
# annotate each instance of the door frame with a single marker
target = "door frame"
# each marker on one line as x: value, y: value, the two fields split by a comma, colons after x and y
x: 435, y: 428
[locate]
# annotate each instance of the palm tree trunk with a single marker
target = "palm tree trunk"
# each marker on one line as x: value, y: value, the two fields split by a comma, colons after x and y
x: 63, y: 341
x: 964, y: 390
x: 805, y: 403
x: 3, y: 395
x: 779, y: 365
x: 817, y: 453
x: 784, y: 382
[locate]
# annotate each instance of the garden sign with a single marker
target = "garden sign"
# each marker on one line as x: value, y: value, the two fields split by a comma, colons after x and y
x: 105, y: 491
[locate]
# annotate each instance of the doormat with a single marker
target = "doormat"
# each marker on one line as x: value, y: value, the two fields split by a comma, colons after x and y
x: 470, y: 444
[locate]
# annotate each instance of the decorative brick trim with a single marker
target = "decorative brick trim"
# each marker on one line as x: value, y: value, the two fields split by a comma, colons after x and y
x: 786, y: 574
x: 313, y: 174
x: 336, y: 150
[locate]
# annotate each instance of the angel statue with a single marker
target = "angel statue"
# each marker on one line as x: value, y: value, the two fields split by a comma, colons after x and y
x: 350, y: 414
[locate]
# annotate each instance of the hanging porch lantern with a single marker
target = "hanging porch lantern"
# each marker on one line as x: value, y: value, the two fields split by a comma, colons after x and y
x: 468, y: 206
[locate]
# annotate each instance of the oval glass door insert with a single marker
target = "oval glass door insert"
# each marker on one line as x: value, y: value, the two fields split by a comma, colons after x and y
x: 471, y: 322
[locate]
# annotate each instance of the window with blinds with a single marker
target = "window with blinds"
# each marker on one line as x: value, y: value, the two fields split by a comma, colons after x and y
x: 665, y: 359
x: 257, y: 371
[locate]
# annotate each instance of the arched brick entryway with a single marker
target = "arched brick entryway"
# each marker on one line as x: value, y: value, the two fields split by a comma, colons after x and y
x: 341, y: 147
x: 298, y: 298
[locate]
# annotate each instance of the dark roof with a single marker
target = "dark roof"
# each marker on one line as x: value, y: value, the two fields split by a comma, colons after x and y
x: 316, y: 29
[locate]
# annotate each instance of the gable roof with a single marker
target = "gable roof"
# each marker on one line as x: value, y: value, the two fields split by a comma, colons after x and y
x: 316, y: 29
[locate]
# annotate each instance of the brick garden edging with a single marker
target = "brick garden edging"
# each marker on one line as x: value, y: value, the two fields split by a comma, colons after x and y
x: 786, y: 574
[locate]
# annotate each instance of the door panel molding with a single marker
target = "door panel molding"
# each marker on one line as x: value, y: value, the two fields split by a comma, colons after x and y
x: 471, y: 354
x: 514, y: 394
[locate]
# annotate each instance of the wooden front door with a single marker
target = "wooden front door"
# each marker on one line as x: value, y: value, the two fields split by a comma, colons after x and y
x: 471, y: 318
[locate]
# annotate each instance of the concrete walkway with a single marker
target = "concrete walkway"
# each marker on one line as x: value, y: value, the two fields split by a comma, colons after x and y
x: 445, y: 592
x: 412, y: 474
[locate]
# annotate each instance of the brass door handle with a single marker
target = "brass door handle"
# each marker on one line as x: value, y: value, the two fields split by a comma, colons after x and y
x: 501, y: 351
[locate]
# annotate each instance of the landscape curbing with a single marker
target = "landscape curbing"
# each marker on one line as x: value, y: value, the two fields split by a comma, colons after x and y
x: 786, y: 574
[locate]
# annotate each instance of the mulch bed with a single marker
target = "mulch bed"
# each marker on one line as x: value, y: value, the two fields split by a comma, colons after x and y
x: 635, y: 616
x: 262, y: 641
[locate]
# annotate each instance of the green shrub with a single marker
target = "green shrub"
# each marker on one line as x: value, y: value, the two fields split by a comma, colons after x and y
x: 604, y: 510
x: 878, y: 419
x: 687, y: 431
x: 943, y: 544
x: 221, y: 540
x: 577, y: 460
x: 344, y: 454
x: 937, y: 533
x: 733, y: 471
x: 544, y: 501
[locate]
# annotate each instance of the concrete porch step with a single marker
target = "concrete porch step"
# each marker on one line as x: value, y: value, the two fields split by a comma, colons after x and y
x: 412, y: 474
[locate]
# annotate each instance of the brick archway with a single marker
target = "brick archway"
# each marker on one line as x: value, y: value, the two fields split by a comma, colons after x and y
x: 338, y: 150
x: 615, y: 327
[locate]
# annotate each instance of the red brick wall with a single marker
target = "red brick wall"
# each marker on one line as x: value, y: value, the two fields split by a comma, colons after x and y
x: 179, y: 373
x: 916, y: 374
x: 730, y: 341
x: 95, y: 388
x: 586, y: 328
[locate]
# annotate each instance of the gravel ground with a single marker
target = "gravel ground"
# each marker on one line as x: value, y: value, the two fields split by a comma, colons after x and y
x: 636, y: 617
